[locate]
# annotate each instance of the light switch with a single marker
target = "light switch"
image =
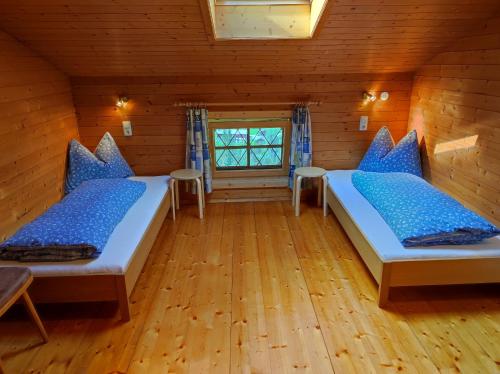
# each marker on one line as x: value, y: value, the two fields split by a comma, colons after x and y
x: 363, y: 123
x: 127, y: 128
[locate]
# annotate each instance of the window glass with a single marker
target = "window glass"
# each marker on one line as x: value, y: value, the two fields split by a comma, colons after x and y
x: 248, y: 148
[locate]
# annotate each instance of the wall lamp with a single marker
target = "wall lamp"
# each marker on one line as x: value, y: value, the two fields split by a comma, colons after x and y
x: 122, y: 102
x: 367, y: 96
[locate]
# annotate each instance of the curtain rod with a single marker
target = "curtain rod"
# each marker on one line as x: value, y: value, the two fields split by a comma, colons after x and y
x: 268, y: 103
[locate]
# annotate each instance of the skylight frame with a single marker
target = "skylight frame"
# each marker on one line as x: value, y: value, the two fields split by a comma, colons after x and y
x: 265, y: 19
x: 261, y: 2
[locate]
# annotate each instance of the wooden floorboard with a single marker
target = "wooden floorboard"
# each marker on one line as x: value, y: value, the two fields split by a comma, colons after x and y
x: 249, y: 330
x: 254, y: 289
x: 358, y: 334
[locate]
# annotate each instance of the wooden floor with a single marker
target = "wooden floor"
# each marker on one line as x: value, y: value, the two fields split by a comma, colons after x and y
x: 253, y: 289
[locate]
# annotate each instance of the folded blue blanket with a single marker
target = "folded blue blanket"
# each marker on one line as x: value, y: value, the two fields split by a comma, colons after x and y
x: 420, y: 214
x: 79, y: 226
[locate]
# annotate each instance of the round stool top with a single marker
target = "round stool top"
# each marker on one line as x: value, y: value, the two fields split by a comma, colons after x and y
x: 186, y: 174
x: 310, y: 172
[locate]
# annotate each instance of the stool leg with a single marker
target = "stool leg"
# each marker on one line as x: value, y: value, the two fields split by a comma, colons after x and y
x: 319, y: 191
x: 203, y: 191
x: 298, y: 188
x: 34, y: 316
x: 200, y: 202
x: 176, y: 182
x: 294, y: 187
x: 325, y: 203
x: 172, y: 199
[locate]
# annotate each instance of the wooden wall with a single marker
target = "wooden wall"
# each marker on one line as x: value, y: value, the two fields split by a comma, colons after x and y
x: 37, y: 120
x: 456, y: 97
x: 158, y: 144
x: 174, y: 37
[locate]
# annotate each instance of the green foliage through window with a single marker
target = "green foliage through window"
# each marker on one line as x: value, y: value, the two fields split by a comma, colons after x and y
x: 248, y: 148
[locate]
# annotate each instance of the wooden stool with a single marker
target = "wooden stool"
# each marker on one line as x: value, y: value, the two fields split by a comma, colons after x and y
x: 14, y: 283
x: 190, y: 175
x: 305, y: 172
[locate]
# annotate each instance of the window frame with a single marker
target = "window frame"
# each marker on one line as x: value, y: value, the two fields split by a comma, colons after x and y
x: 255, y: 171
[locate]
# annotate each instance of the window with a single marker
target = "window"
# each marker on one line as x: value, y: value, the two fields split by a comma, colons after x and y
x: 248, y: 148
x: 262, y: 2
x: 247, y: 145
x: 264, y: 19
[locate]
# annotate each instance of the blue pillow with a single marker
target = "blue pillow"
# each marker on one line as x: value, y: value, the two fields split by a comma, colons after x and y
x: 83, y: 165
x: 402, y: 158
x: 381, y: 145
x: 107, y: 162
x: 108, y: 151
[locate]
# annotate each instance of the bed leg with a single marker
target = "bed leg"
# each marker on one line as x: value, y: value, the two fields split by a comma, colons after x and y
x: 325, y: 202
x: 122, y: 296
x: 384, y: 286
x: 383, y: 295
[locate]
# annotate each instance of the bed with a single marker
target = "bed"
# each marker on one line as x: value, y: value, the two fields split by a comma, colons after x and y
x: 393, y: 265
x: 112, y: 276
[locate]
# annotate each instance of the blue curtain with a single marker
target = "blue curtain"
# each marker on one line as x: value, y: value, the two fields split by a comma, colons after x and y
x: 301, y: 142
x: 197, y: 153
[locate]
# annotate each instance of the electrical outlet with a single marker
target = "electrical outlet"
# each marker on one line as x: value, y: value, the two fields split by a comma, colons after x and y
x: 127, y: 128
x: 363, y: 123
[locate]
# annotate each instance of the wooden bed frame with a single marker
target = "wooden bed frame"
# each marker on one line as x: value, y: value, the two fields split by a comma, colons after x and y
x: 414, y: 272
x: 92, y: 288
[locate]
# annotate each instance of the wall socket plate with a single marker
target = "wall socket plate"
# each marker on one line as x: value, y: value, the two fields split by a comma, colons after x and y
x: 127, y: 128
x: 363, y: 123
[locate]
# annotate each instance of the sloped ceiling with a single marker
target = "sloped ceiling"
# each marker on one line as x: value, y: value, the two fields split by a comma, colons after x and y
x: 173, y: 37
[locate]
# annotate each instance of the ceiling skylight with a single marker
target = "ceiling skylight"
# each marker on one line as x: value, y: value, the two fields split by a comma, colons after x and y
x: 265, y: 19
x: 262, y: 2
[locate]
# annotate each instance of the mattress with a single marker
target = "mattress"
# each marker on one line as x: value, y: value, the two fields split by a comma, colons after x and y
x: 381, y: 237
x: 122, y: 243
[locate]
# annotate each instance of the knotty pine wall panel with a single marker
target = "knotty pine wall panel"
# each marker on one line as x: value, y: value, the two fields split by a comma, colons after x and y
x: 158, y: 144
x: 36, y: 122
x: 174, y: 37
x: 456, y: 108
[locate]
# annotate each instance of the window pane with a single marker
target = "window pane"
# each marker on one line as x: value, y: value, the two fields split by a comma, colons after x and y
x: 266, y: 136
x: 260, y: 157
x: 231, y: 158
x: 230, y: 137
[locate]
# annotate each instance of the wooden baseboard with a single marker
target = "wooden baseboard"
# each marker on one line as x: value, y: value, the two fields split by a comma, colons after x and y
x: 250, y: 194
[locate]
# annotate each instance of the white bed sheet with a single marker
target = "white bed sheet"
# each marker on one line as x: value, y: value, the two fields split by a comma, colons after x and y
x: 382, y: 238
x: 122, y: 243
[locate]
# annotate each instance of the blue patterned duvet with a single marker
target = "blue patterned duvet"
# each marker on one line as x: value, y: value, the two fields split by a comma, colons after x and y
x: 418, y: 213
x: 79, y: 226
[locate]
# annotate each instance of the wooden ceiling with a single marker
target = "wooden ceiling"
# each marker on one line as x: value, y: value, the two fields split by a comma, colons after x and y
x: 173, y: 37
